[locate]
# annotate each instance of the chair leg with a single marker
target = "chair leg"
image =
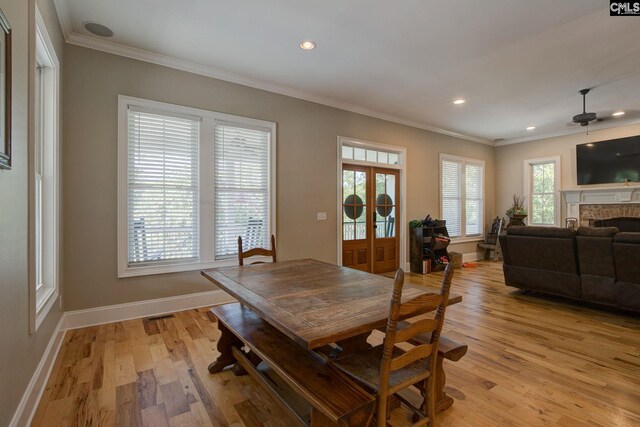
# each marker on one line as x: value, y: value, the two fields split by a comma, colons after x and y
x: 429, y: 403
x: 381, y: 415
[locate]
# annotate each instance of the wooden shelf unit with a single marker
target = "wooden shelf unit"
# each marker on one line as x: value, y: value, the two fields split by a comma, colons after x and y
x: 424, y: 246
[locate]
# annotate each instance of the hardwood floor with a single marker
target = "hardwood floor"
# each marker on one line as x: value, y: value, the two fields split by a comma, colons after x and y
x: 532, y: 361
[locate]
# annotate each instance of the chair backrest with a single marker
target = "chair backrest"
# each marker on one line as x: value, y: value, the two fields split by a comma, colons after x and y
x: 256, y: 251
x: 399, y: 310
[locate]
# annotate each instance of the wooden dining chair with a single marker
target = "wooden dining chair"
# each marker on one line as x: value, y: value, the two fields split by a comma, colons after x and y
x: 387, y: 369
x: 256, y: 252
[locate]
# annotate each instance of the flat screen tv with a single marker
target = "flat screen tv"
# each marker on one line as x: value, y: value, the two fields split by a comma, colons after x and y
x: 609, y: 161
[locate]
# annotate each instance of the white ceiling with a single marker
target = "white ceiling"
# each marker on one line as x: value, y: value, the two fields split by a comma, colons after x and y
x: 518, y: 63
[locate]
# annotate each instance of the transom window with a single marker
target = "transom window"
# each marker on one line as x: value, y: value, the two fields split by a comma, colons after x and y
x: 191, y: 182
x: 360, y: 154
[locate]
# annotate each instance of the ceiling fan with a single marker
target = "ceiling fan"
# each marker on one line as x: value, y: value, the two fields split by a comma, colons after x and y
x: 585, y: 118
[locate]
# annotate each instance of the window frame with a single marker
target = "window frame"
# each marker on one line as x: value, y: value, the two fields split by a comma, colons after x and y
x: 44, y: 179
x: 463, y: 196
x: 206, y: 258
x: 528, y: 187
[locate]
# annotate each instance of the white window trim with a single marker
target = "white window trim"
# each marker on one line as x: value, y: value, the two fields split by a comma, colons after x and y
x: 401, y: 166
x: 206, y: 259
x: 42, y: 298
x: 463, y: 238
x: 528, y: 163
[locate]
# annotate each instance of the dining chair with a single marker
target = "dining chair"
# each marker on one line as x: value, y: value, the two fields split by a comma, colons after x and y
x: 256, y: 252
x: 387, y: 369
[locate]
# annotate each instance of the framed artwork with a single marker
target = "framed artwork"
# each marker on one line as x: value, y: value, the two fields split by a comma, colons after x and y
x: 5, y: 92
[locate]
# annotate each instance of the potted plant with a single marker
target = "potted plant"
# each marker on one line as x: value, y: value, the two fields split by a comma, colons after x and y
x: 517, y: 212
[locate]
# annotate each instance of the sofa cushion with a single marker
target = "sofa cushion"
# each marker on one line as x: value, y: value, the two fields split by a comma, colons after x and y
x: 627, y: 237
x: 549, y: 253
x: 597, y: 231
x: 551, y: 282
x: 595, y: 255
x: 532, y: 231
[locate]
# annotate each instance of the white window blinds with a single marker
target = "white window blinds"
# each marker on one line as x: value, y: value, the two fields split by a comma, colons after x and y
x: 451, y: 190
x: 241, y: 188
x: 474, y: 188
x: 163, y: 205
x: 462, y: 195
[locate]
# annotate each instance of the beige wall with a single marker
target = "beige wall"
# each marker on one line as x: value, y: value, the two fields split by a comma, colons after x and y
x: 510, y: 161
x: 21, y: 351
x: 306, y: 168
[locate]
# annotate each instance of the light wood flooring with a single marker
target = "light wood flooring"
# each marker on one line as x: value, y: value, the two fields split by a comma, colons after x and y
x: 532, y: 361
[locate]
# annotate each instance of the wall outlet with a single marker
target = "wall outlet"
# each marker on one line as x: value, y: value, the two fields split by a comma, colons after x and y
x: 322, y: 216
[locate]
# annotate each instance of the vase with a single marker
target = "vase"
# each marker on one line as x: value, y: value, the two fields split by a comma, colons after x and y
x: 516, y: 219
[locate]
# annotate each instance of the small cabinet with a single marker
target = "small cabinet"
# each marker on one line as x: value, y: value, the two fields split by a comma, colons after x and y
x: 428, y: 244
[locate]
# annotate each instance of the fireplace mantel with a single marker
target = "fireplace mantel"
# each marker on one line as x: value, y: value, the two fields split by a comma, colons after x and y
x: 603, y: 195
x: 573, y: 198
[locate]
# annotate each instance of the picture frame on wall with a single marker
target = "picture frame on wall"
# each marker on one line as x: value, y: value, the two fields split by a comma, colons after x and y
x: 5, y: 92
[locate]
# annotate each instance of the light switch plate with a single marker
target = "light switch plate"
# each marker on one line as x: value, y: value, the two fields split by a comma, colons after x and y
x: 322, y: 216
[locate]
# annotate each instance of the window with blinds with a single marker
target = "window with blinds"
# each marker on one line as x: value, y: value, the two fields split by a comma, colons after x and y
x: 452, y: 196
x: 462, y: 196
x: 163, y: 205
x: 190, y: 181
x: 241, y: 188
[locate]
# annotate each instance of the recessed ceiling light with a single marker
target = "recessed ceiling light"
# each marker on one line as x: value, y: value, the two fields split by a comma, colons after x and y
x: 459, y: 101
x: 590, y: 145
x: 531, y: 128
x: 618, y: 113
x: 307, y: 45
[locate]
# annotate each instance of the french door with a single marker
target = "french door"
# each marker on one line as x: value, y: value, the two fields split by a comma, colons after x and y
x: 370, y: 209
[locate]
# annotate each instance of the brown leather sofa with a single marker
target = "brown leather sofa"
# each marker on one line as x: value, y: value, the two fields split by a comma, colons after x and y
x: 592, y: 264
x: 626, y: 253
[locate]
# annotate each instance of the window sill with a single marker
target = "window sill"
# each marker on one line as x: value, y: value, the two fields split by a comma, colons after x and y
x: 467, y: 240
x: 149, y: 270
x: 45, y: 298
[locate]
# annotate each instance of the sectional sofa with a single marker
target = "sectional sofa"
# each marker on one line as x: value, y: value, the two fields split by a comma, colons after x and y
x: 599, y: 265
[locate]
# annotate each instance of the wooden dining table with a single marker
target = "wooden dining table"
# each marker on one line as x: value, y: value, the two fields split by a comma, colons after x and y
x: 313, y: 303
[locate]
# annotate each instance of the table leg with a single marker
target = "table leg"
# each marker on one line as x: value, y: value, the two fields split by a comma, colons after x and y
x: 443, y: 400
x: 225, y: 342
x: 354, y: 344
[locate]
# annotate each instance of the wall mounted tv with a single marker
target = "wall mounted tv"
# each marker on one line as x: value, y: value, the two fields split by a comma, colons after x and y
x: 609, y: 161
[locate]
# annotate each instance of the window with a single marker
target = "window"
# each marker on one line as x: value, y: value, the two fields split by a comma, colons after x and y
x: 462, y: 196
x: 190, y: 182
x: 44, y: 283
x: 543, y: 190
x: 357, y: 151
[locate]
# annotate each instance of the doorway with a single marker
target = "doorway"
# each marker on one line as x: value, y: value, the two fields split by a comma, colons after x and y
x: 370, y: 213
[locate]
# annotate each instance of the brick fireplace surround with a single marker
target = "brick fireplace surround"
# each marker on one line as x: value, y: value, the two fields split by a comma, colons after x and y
x: 590, y: 213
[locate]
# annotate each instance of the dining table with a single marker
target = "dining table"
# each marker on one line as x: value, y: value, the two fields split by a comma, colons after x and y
x: 316, y: 304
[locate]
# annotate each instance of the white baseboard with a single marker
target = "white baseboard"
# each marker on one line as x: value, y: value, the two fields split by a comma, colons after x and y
x: 471, y: 256
x: 134, y: 310
x: 35, y: 388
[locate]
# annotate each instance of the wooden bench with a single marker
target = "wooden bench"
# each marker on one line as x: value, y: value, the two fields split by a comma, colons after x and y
x: 300, y: 380
x: 447, y: 349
